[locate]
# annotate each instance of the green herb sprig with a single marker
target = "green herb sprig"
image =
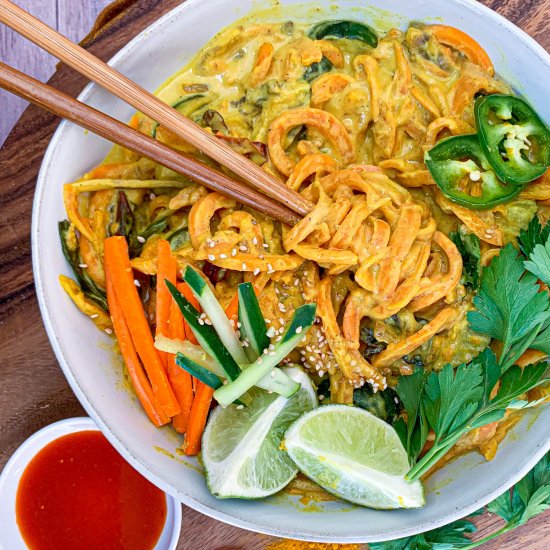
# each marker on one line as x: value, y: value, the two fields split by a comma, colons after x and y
x: 510, y: 308
x: 528, y: 498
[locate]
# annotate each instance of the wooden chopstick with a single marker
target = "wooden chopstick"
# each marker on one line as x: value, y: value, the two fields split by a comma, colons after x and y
x: 107, y: 127
x: 127, y: 90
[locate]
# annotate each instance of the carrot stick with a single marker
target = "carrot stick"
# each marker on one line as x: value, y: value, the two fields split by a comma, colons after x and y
x: 203, y: 398
x: 188, y: 293
x: 133, y: 366
x: 166, y: 269
x: 232, y: 309
x: 197, y: 418
x: 181, y: 380
x: 117, y: 262
x: 450, y: 36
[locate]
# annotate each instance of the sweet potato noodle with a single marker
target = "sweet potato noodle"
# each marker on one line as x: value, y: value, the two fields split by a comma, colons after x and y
x: 346, y: 125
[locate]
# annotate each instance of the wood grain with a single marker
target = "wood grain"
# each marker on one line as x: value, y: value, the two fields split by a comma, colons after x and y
x: 33, y: 391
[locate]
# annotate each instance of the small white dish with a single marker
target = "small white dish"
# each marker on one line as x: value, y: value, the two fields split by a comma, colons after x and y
x: 10, y: 536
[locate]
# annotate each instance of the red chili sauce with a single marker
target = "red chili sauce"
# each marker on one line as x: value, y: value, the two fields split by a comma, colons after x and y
x: 78, y: 493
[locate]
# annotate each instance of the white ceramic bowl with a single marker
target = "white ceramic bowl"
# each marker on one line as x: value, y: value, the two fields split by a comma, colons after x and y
x: 84, y: 354
x: 10, y: 536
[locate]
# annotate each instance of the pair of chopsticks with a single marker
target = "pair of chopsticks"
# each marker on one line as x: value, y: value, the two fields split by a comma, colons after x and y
x: 261, y: 191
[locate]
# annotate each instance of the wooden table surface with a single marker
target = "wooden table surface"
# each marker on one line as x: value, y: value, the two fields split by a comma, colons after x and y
x: 33, y: 390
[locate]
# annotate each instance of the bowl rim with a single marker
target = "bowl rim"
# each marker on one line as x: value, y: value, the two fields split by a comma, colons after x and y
x: 203, y: 507
x: 11, y: 474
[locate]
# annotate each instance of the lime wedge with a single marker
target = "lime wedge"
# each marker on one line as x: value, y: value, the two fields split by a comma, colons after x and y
x: 241, y: 445
x: 353, y: 455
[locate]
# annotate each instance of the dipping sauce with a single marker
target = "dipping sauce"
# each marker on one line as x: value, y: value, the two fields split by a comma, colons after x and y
x: 78, y: 493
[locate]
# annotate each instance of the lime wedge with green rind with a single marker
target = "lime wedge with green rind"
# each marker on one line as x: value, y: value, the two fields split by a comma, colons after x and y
x: 353, y: 455
x: 241, y: 445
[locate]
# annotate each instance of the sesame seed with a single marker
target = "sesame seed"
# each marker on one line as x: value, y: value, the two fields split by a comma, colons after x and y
x: 240, y: 407
x: 261, y: 256
x: 243, y: 248
x: 270, y: 267
x: 270, y: 332
x: 83, y: 266
x: 298, y: 330
x: 268, y: 321
x: 256, y: 271
x: 259, y: 360
x: 207, y: 322
x: 265, y: 351
x: 244, y: 266
x: 94, y: 315
x: 321, y: 373
x: 232, y: 322
x: 152, y: 196
x: 395, y: 400
x: 136, y: 282
x: 109, y: 331
x: 255, y: 240
x: 239, y: 324
x: 234, y: 252
x: 212, y: 244
x: 273, y: 374
x: 211, y: 257
x: 223, y: 256
x: 279, y: 338
x: 321, y: 397
x: 140, y: 239
x: 201, y: 322
x: 265, y: 245
x: 475, y: 175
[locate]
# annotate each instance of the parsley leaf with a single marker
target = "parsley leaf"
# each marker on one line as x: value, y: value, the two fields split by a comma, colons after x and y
x: 510, y: 307
x: 533, y: 235
x: 456, y: 402
x: 539, y: 262
x: 528, y: 498
x: 447, y: 537
x: 468, y: 247
x: 414, y: 432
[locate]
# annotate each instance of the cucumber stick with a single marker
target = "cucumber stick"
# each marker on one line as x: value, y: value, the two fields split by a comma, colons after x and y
x: 206, y: 335
x: 253, y: 326
x: 280, y: 384
x: 264, y: 365
x: 198, y: 371
x: 216, y: 314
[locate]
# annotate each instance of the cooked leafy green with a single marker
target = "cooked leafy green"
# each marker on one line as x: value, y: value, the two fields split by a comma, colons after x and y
x: 468, y: 247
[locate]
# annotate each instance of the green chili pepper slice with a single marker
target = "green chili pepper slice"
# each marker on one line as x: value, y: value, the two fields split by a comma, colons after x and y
x: 344, y: 29
x: 514, y: 139
x: 464, y: 175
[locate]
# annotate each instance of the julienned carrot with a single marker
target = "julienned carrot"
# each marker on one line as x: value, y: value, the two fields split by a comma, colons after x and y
x: 188, y: 293
x: 464, y: 43
x: 197, y: 418
x: 166, y: 269
x: 133, y: 366
x: 180, y: 379
x: 232, y: 309
x: 117, y: 263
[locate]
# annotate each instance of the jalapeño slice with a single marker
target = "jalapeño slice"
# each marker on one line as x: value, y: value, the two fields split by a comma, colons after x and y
x: 464, y: 175
x: 514, y: 139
